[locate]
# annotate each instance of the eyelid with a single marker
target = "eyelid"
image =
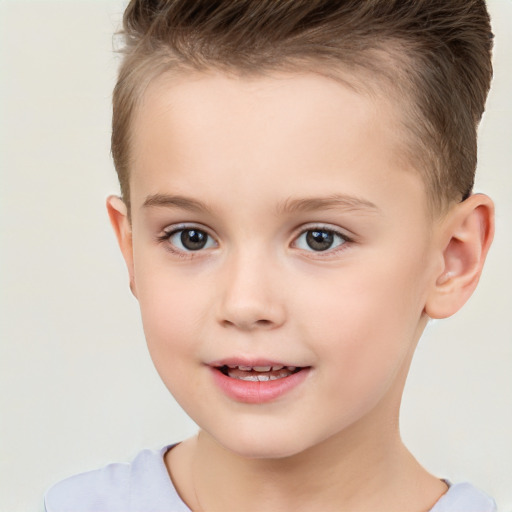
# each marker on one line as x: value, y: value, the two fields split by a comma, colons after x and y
x: 322, y: 226
x: 173, y: 228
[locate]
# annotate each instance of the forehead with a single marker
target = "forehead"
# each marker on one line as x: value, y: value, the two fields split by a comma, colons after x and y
x: 280, y: 130
x: 224, y: 96
x: 205, y: 109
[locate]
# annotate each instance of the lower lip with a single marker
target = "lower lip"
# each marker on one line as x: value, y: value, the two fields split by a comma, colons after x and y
x: 259, y: 392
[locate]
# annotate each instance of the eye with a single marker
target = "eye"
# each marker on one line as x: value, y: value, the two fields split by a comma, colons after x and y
x: 189, y: 239
x: 320, y: 240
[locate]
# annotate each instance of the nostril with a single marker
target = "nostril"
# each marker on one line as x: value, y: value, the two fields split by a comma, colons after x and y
x: 262, y: 323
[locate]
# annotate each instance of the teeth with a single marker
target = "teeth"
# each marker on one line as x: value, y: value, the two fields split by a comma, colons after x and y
x: 252, y: 378
x: 284, y: 371
x: 261, y: 377
x: 255, y: 368
x: 256, y: 378
x: 261, y: 368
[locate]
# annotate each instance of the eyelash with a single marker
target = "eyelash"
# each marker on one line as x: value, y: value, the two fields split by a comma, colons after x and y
x: 330, y: 251
x: 168, y: 234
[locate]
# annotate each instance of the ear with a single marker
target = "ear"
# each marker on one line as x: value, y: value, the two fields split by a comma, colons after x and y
x: 466, y: 235
x: 118, y: 214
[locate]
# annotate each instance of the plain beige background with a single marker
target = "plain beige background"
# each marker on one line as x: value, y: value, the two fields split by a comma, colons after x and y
x: 77, y: 388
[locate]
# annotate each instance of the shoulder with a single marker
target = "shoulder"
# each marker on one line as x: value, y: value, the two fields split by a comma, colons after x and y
x: 142, y: 485
x: 464, y: 497
x: 102, y: 489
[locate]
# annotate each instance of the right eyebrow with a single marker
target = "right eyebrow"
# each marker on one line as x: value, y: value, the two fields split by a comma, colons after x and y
x: 175, y: 201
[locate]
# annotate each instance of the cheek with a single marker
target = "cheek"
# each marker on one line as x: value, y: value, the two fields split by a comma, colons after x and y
x: 361, y: 298
x: 172, y: 310
x: 170, y: 315
x: 363, y: 323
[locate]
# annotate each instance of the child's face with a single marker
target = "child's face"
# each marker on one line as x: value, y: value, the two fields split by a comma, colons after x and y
x: 273, y: 224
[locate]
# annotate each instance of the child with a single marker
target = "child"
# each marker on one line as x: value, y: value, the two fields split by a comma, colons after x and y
x: 297, y: 202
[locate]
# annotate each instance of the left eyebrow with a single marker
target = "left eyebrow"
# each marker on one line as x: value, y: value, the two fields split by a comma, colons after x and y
x: 341, y: 201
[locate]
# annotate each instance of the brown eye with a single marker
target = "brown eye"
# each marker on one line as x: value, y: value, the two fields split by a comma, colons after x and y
x: 319, y: 240
x: 191, y: 239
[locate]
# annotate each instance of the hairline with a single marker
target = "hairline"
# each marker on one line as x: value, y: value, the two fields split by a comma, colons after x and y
x: 370, y: 80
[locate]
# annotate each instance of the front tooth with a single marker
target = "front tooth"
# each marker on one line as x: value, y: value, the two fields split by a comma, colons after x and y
x: 245, y: 368
x: 263, y: 378
x: 262, y: 368
x: 250, y: 377
x: 275, y: 368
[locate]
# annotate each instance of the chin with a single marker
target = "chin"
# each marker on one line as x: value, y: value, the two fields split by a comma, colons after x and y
x: 263, y: 452
x: 265, y: 446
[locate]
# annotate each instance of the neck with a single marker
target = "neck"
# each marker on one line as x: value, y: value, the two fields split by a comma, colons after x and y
x: 355, y: 471
x: 335, y: 471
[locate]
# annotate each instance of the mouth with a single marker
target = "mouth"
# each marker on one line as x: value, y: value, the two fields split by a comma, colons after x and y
x: 259, y: 383
x: 258, y: 373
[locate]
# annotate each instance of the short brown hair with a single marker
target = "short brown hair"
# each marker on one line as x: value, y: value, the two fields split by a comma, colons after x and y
x: 435, y: 55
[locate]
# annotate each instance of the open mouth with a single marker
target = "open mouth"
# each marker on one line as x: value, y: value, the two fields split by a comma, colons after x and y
x: 258, y: 373
x: 259, y: 383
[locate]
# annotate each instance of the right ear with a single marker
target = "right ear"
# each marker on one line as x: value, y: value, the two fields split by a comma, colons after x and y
x: 118, y: 214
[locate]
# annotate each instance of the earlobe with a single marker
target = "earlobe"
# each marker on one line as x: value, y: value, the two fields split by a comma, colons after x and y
x: 465, y: 240
x: 120, y: 222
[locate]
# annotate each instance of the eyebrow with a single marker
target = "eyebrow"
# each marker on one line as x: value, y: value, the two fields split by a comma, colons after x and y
x: 290, y: 205
x: 170, y: 201
x: 334, y: 201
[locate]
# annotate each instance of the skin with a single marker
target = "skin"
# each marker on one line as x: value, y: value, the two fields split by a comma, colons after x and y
x: 248, y: 148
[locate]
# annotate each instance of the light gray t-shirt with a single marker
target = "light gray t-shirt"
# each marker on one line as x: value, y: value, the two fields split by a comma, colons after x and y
x: 144, y: 486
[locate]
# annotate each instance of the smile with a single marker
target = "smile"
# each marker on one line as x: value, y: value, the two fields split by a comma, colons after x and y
x: 258, y: 373
x: 259, y: 383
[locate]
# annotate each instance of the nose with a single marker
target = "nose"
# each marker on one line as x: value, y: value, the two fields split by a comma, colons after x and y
x: 252, y: 294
